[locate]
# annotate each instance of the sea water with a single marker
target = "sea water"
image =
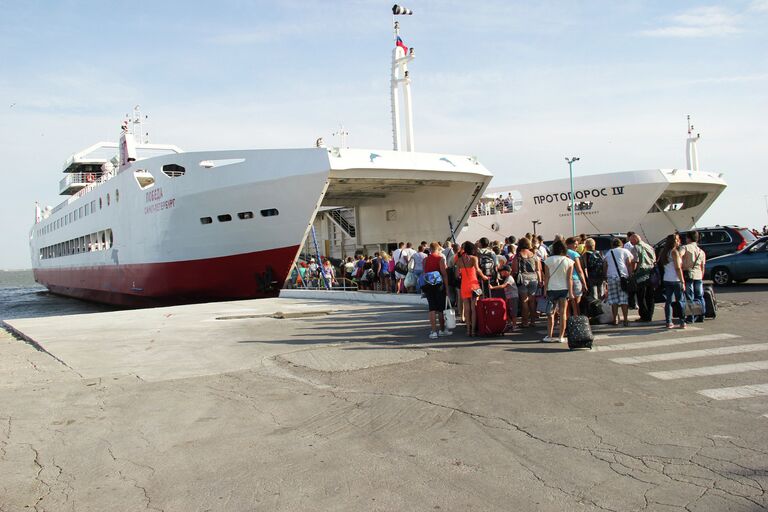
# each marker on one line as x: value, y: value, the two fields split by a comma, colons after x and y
x: 22, y: 297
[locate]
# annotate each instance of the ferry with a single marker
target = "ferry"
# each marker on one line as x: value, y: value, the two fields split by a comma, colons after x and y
x: 652, y: 202
x: 150, y: 224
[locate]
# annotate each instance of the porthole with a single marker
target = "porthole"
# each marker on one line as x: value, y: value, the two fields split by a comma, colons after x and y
x: 205, y: 220
x: 107, y: 199
x: 117, y: 195
x: 270, y: 212
x: 100, y: 204
x: 224, y: 218
x: 245, y: 215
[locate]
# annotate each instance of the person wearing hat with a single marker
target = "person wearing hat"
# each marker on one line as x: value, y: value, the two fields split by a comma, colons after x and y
x: 507, y: 283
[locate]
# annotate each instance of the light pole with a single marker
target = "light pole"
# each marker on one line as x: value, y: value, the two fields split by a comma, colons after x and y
x: 534, y: 226
x: 573, y: 197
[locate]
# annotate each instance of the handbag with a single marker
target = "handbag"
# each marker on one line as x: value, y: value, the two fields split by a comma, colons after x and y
x: 623, y: 281
x: 401, y: 268
x: 519, y: 276
x: 449, y: 314
x: 688, y: 273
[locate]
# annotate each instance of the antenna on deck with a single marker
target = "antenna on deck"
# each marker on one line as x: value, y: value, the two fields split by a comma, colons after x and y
x: 342, y: 134
x: 691, y: 155
x: 401, y: 56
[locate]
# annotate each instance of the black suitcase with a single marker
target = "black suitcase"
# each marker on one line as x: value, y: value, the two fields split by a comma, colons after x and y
x: 579, y: 333
x: 710, y: 301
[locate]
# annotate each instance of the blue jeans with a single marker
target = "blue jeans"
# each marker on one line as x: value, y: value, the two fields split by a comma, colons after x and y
x: 673, y: 289
x: 694, y: 292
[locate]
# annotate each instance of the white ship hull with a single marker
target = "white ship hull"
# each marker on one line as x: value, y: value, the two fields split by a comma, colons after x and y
x: 653, y: 203
x: 154, y: 245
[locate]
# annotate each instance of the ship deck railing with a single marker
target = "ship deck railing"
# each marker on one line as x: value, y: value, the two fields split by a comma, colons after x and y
x: 316, y: 283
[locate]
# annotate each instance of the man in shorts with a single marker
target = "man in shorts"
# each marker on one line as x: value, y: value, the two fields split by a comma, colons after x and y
x: 618, y: 265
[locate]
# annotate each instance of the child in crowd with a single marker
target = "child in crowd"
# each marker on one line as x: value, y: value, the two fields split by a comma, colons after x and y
x: 510, y: 295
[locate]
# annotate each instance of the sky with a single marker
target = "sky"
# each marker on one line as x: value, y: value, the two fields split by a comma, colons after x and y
x: 518, y: 84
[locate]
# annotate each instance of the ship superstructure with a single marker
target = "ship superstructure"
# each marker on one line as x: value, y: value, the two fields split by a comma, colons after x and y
x: 142, y: 228
x: 653, y: 202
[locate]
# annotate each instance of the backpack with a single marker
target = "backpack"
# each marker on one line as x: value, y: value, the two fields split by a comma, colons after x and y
x: 487, y: 262
x: 595, y: 265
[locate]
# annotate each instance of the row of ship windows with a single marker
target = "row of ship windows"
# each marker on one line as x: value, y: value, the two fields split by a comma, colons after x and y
x: 100, y: 241
x: 269, y: 212
x: 76, y: 214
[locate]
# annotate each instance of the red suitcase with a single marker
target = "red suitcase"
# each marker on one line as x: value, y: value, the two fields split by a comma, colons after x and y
x: 491, y: 317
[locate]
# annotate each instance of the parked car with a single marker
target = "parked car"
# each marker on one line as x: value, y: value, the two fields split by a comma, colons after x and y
x: 750, y: 262
x: 718, y: 240
x: 602, y: 241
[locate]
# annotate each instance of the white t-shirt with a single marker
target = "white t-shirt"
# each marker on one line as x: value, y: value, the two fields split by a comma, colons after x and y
x: 396, y: 255
x: 623, y: 257
x: 418, y: 261
x: 559, y: 268
x: 542, y: 252
x: 406, y: 254
x: 510, y: 288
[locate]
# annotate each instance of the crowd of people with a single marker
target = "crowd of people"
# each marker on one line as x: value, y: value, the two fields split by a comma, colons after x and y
x: 570, y: 277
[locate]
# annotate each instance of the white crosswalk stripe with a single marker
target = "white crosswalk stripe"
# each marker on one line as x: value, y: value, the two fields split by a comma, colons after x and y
x: 720, y: 369
x: 676, y: 347
x: 631, y: 333
x: 750, y: 391
x: 665, y: 342
x: 691, y: 354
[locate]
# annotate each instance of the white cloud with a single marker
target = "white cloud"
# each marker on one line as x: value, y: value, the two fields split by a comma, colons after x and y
x: 759, y: 6
x: 700, y: 22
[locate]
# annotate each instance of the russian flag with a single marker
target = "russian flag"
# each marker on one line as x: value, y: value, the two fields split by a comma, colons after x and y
x: 401, y: 44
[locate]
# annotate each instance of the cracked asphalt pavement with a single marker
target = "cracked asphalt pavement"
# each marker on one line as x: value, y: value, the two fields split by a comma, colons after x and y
x: 226, y: 407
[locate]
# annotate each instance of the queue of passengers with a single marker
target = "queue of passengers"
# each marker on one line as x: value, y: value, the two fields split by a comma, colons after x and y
x: 536, y: 281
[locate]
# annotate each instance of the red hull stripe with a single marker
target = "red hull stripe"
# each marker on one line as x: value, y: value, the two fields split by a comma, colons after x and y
x: 242, y: 276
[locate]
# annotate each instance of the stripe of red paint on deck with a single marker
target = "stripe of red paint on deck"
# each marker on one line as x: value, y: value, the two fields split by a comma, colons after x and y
x: 145, y: 284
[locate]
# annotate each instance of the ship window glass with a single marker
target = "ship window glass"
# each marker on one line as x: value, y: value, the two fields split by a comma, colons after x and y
x: 173, y: 170
x: 75, y: 213
x: 107, y: 199
x: 205, y: 220
x: 110, y: 239
x: 117, y: 195
x: 99, y: 203
x: 270, y: 212
x: 224, y: 218
x: 93, y: 206
x: 245, y: 215
x: 81, y: 211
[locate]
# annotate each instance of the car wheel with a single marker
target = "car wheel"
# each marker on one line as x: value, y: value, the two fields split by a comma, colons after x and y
x: 739, y: 281
x: 721, y: 276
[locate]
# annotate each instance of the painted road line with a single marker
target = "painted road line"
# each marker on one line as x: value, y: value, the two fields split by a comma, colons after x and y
x: 750, y: 391
x: 690, y: 354
x: 628, y: 333
x: 666, y: 342
x: 702, y: 371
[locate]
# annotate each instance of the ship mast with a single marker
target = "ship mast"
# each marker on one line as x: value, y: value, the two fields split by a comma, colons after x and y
x: 691, y: 155
x: 401, y: 56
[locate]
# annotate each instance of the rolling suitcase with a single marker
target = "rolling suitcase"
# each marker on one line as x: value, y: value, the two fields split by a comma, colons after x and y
x: 491, y: 317
x: 579, y: 333
x: 711, y: 303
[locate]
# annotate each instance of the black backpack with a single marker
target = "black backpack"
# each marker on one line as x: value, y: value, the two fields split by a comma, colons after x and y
x: 595, y: 265
x: 487, y: 262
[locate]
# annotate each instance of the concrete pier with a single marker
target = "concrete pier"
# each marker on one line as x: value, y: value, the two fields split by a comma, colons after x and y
x: 291, y: 404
